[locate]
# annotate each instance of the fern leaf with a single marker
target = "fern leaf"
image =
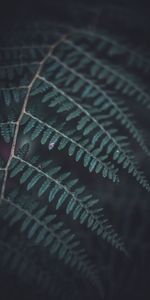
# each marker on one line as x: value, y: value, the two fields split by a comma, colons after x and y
x: 118, y: 146
x: 113, y: 46
x: 129, y: 87
x: 7, y: 131
x: 37, y: 221
x: 64, y: 140
x: 75, y: 203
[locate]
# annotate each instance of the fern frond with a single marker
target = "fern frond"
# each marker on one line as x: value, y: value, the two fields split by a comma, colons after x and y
x: 17, y: 257
x: 113, y: 46
x: 86, y: 61
x: 82, y: 206
x: 69, y: 139
x: 7, y: 130
x: 113, y: 146
x: 117, y: 110
x: 118, y: 78
x: 100, y: 40
x: 10, y: 72
x: 66, y: 95
x: 13, y: 95
x: 59, y: 240
x: 23, y: 54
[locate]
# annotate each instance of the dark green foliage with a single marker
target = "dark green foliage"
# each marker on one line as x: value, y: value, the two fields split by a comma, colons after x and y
x: 66, y: 100
x: 62, y: 188
x: 53, y: 236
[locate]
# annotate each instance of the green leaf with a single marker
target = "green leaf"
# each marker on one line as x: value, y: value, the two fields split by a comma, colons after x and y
x: 62, y: 199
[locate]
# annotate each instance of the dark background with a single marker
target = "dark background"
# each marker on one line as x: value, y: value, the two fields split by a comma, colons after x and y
x: 16, y: 8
